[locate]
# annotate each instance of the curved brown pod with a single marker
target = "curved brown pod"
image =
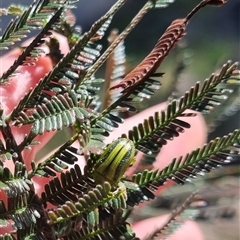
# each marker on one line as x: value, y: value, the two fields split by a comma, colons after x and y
x: 150, y: 64
x: 171, y: 36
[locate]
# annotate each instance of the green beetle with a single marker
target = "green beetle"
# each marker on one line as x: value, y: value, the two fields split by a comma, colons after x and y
x: 114, y: 161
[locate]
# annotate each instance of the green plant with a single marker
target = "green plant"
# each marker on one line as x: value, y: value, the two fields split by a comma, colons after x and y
x: 93, y: 203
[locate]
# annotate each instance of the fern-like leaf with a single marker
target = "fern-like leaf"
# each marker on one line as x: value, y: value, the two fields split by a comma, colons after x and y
x: 154, y: 132
x: 71, y: 185
x: 85, y: 209
x: 178, y: 217
x: 33, y: 17
x: 33, y: 50
x: 54, y: 114
x: 17, y: 184
x: 19, y: 211
x: 55, y: 163
x: 115, y: 68
x: 201, y: 161
x: 114, y: 227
